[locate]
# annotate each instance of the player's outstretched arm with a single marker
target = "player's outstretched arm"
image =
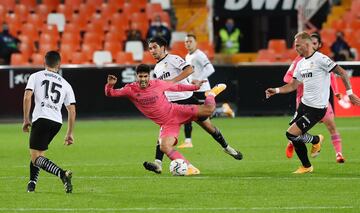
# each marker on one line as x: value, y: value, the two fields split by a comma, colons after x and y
x: 292, y: 86
x: 26, y: 110
x: 69, y: 138
x: 184, y: 74
x: 345, y: 79
x: 110, y: 91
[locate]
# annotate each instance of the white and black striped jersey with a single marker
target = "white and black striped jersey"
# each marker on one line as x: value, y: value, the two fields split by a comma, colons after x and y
x: 202, y: 68
x: 168, y: 68
x: 314, y: 72
x: 51, y: 91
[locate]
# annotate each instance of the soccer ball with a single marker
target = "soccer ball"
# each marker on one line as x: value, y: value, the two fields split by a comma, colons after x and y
x: 178, y: 167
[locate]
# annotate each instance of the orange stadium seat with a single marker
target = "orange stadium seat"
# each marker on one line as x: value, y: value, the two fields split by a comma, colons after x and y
x: 178, y: 48
x: 45, y: 47
x: 93, y: 38
x: 51, y: 4
x: 79, y: 58
x: 142, y: 27
x: 338, y: 24
x: 115, y: 37
x: 18, y: 59
x: 141, y: 4
x: 266, y: 55
x: 22, y: 11
x: 95, y: 3
x: 328, y: 35
x: 29, y: 29
x: 42, y: 10
x: 14, y: 23
x: 139, y: 17
x: 66, y: 51
x: 47, y: 38
x: 26, y: 39
x: 9, y: 5
x: 354, y: 24
x: 208, y: 49
x: 78, y: 21
x: 106, y: 11
x: 152, y: 8
x: 30, y: 4
x: 86, y: 11
x: 113, y: 47
x: 117, y: 4
x: 2, y: 13
x: 52, y: 30
x: 148, y: 59
x: 131, y: 9
x: 278, y: 45
x: 124, y: 58
x: 70, y: 37
x: 36, y: 20
x: 71, y: 28
x: 74, y: 4
x: 165, y: 17
x: 67, y: 10
x: 100, y: 22
x: 119, y: 22
x: 26, y: 49
x: 88, y: 49
x: 37, y: 59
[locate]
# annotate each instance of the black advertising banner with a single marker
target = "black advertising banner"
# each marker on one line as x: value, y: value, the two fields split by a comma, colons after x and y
x: 245, y: 91
x: 235, y: 8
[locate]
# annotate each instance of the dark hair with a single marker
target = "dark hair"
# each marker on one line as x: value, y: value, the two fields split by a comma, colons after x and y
x: 52, y: 59
x: 317, y: 36
x: 159, y: 40
x: 191, y: 35
x: 141, y: 68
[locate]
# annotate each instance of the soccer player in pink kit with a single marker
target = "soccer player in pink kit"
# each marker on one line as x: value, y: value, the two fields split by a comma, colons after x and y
x: 148, y: 96
x: 328, y: 119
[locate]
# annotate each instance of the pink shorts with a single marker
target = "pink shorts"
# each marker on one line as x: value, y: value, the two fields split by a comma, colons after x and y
x: 181, y: 114
x: 329, y: 113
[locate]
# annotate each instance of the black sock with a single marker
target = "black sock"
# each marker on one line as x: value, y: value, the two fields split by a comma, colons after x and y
x: 301, y: 151
x: 159, y: 155
x: 34, y: 172
x: 49, y: 166
x: 188, y: 130
x: 315, y: 140
x: 219, y: 138
x: 305, y: 138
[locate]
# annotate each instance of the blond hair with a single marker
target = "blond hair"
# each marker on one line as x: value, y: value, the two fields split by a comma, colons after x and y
x: 303, y: 35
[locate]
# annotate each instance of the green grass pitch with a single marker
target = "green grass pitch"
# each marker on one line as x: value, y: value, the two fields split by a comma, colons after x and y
x: 108, y: 176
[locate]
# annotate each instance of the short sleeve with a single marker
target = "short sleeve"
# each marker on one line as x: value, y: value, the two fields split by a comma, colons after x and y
x: 69, y: 97
x: 326, y: 63
x: 180, y: 63
x: 31, y: 83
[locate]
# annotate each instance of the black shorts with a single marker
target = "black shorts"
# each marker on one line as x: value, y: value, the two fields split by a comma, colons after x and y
x: 42, y: 132
x: 200, y: 96
x: 306, y: 117
x: 189, y: 101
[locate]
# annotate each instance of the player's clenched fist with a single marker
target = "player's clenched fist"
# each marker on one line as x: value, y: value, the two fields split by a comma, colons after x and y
x: 111, y: 79
x: 270, y: 92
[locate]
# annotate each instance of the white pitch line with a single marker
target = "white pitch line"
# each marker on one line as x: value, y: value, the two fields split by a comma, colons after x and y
x: 295, y: 177
x: 180, y: 209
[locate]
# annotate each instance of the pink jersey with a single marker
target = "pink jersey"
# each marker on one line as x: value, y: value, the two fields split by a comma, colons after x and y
x: 300, y: 90
x: 151, y: 101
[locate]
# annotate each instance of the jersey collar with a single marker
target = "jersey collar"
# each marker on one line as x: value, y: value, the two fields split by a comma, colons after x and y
x: 311, y: 55
x: 162, y: 58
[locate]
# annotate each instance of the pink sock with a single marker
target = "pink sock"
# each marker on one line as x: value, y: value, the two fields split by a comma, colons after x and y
x: 210, y: 100
x: 176, y: 155
x: 336, y: 141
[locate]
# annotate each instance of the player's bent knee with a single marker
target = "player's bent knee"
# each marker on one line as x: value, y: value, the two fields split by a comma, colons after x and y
x: 291, y: 137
